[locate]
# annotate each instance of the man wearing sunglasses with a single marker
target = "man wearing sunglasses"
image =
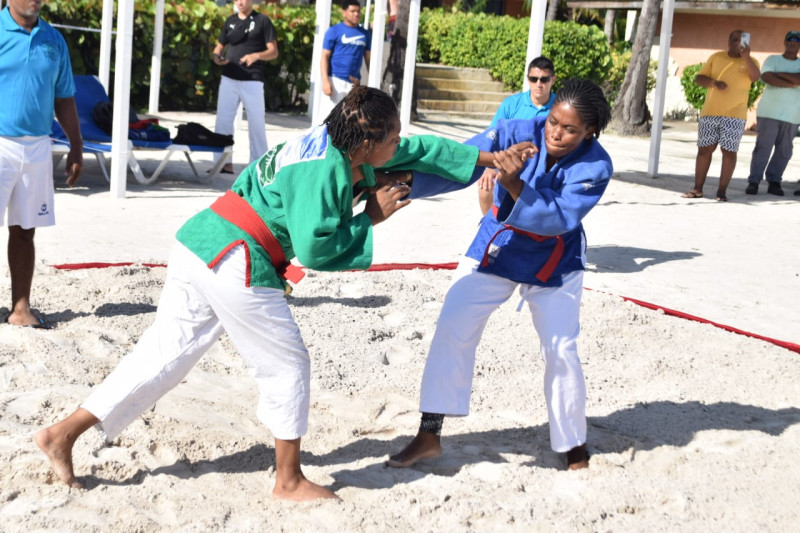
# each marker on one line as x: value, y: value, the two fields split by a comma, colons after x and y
x: 778, y: 117
x: 534, y: 102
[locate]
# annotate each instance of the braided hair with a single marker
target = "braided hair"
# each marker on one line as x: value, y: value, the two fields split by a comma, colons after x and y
x: 588, y: 100
x: 365, y: 114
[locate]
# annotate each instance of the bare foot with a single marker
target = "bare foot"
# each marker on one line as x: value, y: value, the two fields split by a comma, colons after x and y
x: 301, y: 490
x: 26, y: 319
x: 578, y: 458
x: 59, y: 451
x: 424, y: 446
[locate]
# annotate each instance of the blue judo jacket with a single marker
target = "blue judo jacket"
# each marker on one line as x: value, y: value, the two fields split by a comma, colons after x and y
x: 552, y: 203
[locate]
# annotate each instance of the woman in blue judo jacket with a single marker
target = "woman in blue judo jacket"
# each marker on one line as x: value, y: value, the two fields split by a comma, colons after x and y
x: 531, y: 239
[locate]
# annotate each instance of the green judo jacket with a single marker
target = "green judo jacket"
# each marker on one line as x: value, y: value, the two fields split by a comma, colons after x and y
x: 303, y: 190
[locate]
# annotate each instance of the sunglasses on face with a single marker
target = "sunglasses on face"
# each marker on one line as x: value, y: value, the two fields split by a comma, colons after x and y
x: 543, y: 79
x: 793, y: 39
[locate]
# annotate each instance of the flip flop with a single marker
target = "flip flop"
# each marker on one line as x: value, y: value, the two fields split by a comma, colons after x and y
x: 39, y: 325
x: 722, y: 198
x: 691, y: 194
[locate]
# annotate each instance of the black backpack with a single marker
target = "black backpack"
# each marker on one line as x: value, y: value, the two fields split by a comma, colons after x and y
x: 103, y: 116
x: 194, y: 133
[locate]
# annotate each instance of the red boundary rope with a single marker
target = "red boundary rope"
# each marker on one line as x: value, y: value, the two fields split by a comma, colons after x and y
x: 450, y: 266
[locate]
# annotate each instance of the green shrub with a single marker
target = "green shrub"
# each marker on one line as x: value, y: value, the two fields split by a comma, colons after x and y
x: 189, y: 78
x: 577, y: 51
x: 696, y: 94
x: 500, y: 44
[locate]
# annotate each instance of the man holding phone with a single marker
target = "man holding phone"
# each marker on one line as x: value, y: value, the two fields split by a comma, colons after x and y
x: 728, y: 76
x: 248, y: 38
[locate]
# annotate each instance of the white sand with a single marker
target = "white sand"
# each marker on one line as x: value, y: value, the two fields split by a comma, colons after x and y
x: 691, y: 428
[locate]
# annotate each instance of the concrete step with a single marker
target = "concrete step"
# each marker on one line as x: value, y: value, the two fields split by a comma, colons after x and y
x: 471, y: 106
x: 453, y: 93
x: 427, y: 70
x: 482, y: 119
x: 438, y: 94
x: 452, y: 84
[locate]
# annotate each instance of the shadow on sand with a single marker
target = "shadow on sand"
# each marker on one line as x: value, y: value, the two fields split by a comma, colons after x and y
x: 642, y: 427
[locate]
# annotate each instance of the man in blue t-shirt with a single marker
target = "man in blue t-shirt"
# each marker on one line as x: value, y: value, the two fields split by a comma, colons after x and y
x: 345, y: 47
x: 36, y: 83
x: 534, y: 102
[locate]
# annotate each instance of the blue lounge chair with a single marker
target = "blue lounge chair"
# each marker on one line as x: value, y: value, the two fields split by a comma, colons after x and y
x: 88, y: 93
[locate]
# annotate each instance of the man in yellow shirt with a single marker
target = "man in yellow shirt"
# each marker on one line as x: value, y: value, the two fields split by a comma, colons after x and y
x: 728, y: 76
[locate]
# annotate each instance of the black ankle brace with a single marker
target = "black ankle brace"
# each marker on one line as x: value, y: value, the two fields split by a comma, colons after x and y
x: 431, y: 423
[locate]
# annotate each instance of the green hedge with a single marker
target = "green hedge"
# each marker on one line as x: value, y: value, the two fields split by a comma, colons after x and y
x: 500, y: 45
x: 696, y: 94
x: 190, y: 79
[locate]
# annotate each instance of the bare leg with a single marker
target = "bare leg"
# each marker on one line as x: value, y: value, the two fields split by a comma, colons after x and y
x: 21, y: 258
x: 578, y: 458
x: 701, y: 165
x: 728, y: 166
x: 424, y: 446
x: 57, y: 442
x: 290, y: 483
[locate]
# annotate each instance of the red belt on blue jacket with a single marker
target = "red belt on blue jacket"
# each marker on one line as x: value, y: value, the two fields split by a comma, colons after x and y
x: 241, y: 214
x: 552, y: 262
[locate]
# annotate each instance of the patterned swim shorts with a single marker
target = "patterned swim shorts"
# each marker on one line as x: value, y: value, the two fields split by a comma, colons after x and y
x: 725, y: 131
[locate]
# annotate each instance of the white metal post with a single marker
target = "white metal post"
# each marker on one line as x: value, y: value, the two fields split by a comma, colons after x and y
x: 107, y: 27
x: 366, y: 15
x: 323, y: 12
x: 409, y: 67
x: 661, y: 87
x: 120, y: 151
x: 155, y: 65
x: 376, y: 54
x: 535, y: 35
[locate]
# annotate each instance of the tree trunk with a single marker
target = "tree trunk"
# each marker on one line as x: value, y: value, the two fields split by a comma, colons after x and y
x: 608, y: 24
x: 630, y: 115
x: 552, y: 10
x: 392, y: 81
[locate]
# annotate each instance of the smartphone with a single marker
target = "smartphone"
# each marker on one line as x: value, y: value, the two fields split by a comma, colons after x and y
x: 745, y: 40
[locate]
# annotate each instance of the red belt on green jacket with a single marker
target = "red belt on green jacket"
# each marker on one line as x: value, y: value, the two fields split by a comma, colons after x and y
x: 241, y: 214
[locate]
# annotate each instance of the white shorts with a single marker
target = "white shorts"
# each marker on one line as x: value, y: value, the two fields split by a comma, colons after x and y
x: 26, y: 182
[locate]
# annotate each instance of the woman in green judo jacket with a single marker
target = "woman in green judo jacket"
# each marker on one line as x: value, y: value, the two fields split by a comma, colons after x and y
x: 230, y: 269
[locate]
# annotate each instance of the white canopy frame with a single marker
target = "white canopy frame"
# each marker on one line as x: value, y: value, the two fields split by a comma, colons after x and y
x: 124, y: 54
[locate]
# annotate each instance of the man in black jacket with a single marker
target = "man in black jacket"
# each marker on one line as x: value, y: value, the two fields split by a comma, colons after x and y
x: 248, y: 38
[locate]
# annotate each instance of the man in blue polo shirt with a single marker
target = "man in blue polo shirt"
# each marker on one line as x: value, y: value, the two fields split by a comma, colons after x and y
x: 528, y: 104
x: 35, y: 82
x: 345, y: 47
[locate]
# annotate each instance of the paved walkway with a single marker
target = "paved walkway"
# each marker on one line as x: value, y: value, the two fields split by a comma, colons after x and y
x: 736, y: 263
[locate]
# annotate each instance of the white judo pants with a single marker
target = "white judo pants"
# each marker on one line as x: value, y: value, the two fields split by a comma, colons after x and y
x: 472, y: 297
x: 340, y: 89
x: 251, y: 95
x: 196, y: 305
